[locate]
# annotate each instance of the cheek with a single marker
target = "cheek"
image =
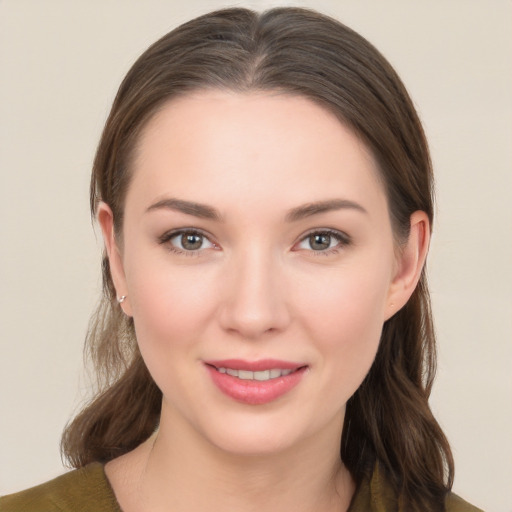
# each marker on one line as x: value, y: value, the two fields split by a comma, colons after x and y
x: 170, y: 305
x: 346, y: 299
x: 345, y: 318
x: 172, y: 308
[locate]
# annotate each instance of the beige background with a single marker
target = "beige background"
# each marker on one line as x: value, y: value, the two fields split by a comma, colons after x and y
x: 60, y: 64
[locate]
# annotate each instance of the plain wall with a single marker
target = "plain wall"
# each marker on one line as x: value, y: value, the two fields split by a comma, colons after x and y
x: 60, y: 65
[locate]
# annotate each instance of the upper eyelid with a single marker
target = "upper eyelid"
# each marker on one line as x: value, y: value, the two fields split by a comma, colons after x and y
x: 343, y: 239
x: 330, y: 231
x: 169, y: 235
x: 178, y: 231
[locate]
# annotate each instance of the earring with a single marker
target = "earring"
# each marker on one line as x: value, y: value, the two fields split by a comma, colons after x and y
x: 121, y: 299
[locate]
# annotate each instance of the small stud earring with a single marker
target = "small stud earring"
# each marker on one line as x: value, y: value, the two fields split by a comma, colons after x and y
x: 121, y: 299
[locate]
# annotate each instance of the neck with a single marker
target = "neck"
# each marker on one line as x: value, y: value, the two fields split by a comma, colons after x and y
x: 178, y: 470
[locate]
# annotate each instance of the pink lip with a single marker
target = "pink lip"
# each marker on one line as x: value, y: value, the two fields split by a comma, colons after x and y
x: 254, y: 392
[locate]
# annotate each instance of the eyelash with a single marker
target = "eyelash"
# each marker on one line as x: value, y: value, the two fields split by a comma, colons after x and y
x: 167, y: 237
x: 343, y: 241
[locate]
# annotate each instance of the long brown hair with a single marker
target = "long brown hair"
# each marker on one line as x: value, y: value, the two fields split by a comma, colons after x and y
x: 388, y: 420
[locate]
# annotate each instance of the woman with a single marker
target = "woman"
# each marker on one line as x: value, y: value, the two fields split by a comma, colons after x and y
x: 264, y: 190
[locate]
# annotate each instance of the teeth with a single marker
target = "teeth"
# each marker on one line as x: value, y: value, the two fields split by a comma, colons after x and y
x: 245, y: 375
x: 264, y: 375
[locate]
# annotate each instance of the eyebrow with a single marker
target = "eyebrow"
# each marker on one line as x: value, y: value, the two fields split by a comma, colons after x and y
x: 309, y: 209
x: 204, y: 211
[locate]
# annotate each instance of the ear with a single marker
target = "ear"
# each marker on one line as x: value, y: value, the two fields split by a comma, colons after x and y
x: 410, y: 261
x: 106, y: 222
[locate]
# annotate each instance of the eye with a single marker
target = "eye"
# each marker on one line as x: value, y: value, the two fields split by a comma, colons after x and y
x: 187, y: 241
x: 324, y: 241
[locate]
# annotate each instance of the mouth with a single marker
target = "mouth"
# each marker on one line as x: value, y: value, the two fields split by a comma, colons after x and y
x: 262, y: 376
x: 262, y: 370
x: 255, y: 383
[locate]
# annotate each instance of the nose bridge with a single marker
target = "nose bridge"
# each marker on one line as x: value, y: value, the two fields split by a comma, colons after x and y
x: 255, y: 303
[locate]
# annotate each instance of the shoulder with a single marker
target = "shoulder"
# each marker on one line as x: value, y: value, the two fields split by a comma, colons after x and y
x: 80, y: 490
x: 376, y: 494
x: 456, y: 504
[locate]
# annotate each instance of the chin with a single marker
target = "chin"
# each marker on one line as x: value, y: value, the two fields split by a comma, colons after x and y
x: 252, y: 443
x: 262, y: 433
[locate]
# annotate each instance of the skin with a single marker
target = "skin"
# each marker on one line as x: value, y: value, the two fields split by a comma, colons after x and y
x: 255, y: 289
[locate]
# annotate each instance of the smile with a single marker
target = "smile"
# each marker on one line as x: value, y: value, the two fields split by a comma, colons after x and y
x: 260, y: 375
x: 255, y: 383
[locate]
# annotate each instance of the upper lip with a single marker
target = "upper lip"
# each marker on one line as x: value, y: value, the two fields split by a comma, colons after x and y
x: 255, y: 366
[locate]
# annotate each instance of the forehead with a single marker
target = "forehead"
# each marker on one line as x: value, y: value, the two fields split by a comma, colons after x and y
x: 279, y: 148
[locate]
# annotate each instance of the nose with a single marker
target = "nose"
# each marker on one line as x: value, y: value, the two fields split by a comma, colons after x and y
x: 254, y: 297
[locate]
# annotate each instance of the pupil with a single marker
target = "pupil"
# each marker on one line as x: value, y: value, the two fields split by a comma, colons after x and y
x: 191, y: 241
x: 319, y: 242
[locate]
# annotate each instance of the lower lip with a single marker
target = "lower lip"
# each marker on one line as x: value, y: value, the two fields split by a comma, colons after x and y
x: 255, y: 392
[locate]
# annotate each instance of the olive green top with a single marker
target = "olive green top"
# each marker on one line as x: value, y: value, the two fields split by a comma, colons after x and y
x: 88, y: 490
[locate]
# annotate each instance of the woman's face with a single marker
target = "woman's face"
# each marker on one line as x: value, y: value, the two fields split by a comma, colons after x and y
x: 259, y: 266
